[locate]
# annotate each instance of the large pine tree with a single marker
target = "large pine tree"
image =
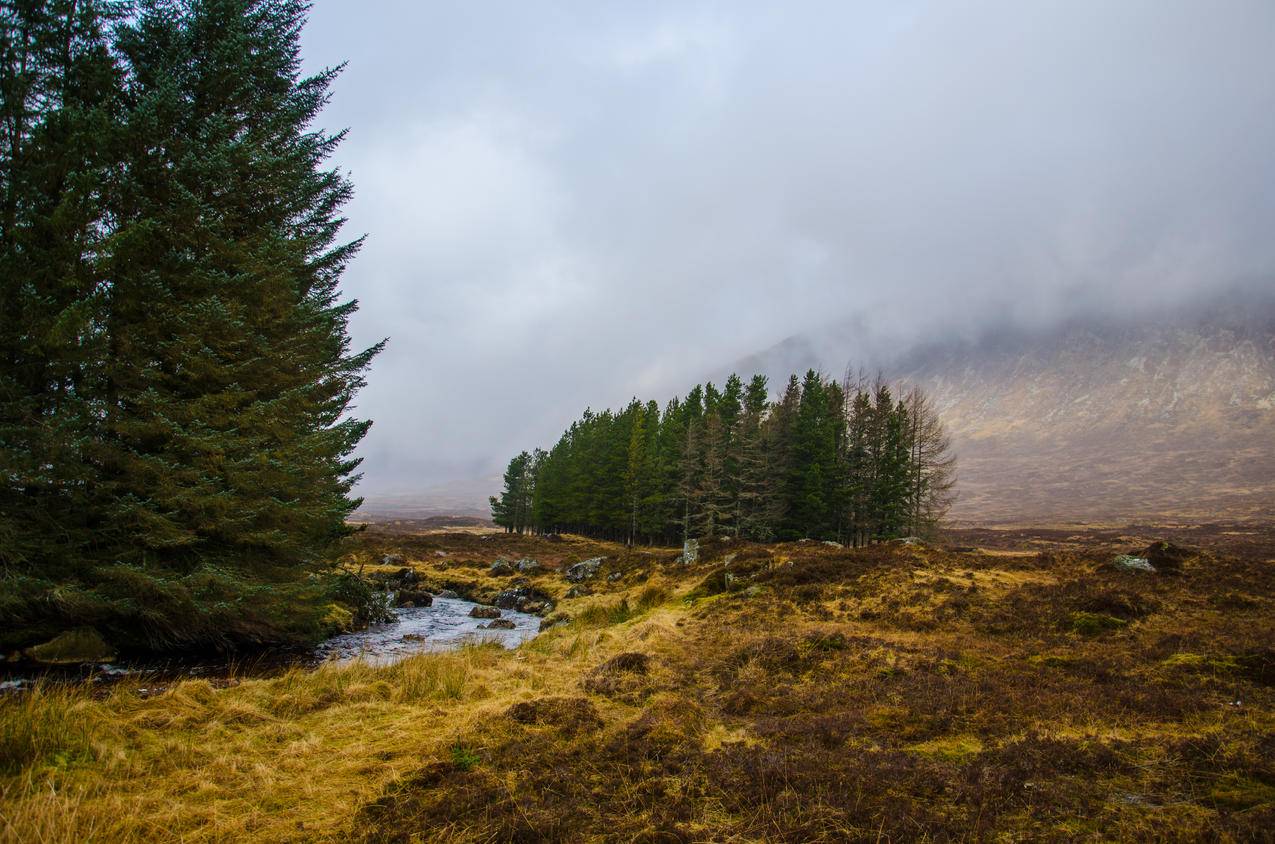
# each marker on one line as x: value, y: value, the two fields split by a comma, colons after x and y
x: 218, y: 466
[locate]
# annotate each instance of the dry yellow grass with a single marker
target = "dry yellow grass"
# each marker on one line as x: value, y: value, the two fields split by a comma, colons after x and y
x: 899, y: 692
x: 282, y: 759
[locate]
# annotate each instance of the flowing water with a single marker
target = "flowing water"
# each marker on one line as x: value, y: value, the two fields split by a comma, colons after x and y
x: 445, y: 625
x: 442, y: 626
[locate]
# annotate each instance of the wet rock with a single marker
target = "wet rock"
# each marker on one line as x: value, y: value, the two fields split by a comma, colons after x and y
x: 484, y: 612
x: 499, y: 624
x: 413, y: 598
x: 83, y: 644
x: 524, y: 598
x: 584, y: 570
x: 528, y: 566
x: 502, y: 568
x: 690, y: 552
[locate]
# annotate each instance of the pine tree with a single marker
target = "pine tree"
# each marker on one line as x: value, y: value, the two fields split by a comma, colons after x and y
x: 825, y: 461
x: 512, y: 509
x: 755, y: 486
x: 931, y: 466
x: 781, y: 459
x: 60, y: 108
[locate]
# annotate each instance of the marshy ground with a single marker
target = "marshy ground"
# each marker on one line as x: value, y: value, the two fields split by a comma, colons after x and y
x: 1005, y: 684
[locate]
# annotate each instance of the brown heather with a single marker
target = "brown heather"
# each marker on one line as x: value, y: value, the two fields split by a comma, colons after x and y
x: 1020, y: 690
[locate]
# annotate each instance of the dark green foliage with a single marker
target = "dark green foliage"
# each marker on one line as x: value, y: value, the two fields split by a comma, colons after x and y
x: 175, y: 368
x: 826, y: 461
x: 512, y: 510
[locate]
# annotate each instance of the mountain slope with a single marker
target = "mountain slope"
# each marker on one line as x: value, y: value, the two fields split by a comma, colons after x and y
x: 1098, y: 420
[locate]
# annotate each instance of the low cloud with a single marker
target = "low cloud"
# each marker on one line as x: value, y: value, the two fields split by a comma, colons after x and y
x: 569, y: 204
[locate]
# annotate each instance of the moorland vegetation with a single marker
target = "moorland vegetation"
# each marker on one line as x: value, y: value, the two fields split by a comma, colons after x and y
x: 779, y: 692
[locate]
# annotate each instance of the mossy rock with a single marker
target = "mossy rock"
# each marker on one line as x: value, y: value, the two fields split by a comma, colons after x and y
x: 83, y: 644
x: 1093, y: 623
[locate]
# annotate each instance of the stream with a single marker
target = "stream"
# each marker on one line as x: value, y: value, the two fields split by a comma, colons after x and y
x: 445, y: 625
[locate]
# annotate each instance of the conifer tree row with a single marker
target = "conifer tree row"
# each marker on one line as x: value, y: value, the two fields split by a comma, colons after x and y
x: 175, y: 367
x: 848, y: 461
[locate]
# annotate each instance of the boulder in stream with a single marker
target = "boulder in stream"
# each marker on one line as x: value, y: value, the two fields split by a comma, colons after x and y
x: 499, y: 624
x: 525, y: 598
x: 484, y: 612
x: 413, y: 598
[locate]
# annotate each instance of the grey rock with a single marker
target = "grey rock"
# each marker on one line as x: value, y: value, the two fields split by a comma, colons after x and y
x: 392, y: 560
x: 448, y: 593
x: 527, y: 566
x: 690, y: 552
x: 579, y: 592
x: 484, y: 612
x: 526, y: 599
x: 499, y: 624
x: 1128, y: 562
x: 614, y: 576
x: 502, y: 568
x: 584, y: 570
x: 832, y: 544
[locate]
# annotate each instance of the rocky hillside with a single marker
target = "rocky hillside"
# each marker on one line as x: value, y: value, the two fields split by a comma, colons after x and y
x: 1168, y: 417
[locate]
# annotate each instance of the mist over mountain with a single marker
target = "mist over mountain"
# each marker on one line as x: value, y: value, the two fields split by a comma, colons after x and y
x: 1168, y: 412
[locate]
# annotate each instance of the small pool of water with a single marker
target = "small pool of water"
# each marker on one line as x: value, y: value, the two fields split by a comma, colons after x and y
x: 443, y: 626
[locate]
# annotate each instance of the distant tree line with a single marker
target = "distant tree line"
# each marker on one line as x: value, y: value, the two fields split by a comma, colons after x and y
x: 845, y: 461
x: 175, y: 368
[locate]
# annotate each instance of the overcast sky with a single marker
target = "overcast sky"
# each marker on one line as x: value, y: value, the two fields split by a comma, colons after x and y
x: 570, y: 203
